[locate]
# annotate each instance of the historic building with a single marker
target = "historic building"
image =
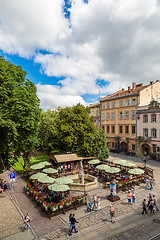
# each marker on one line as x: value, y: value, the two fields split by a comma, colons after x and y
x: 118, y: 115
x: 148, y: 129
x: 95, y: 112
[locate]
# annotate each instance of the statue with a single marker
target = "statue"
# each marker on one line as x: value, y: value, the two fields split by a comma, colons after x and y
x: 81, y: 173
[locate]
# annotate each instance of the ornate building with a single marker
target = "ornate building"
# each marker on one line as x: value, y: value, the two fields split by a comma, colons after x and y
x: 118, y: 115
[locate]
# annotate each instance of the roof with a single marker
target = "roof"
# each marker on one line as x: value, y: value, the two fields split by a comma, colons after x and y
x: 94, y: 104
x: 68, y: 157
x: 123, y: 93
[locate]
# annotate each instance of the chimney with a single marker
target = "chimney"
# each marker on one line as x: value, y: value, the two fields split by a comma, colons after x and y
x: 157, y: 80
x: 139, y: 85
x: 151, y: 83
x: 129, y: 89
x: 133, y: 85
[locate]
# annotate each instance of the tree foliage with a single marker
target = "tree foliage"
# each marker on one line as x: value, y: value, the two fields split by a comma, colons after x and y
x: 19, y: 112
x: 72, y: 130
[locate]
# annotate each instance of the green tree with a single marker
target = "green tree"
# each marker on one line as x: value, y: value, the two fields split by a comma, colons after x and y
x: 19, y: 112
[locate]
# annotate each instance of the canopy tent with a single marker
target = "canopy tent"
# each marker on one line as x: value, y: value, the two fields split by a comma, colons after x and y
x: 63, y: 180
x: 58, y: 187
x: 95, y: 161
x: 50, y: 170
x: 136, y: 171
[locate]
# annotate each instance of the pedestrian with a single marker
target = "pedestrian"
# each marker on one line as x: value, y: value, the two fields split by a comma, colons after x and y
x: 89, y: 208
x: 144, y: 206
x: 112, y: 212
x: 129, y: 198
x: 73, y: 221
x: 133, y: 198
x: 94, y: 202
x: 27, y: 219
x: 70, y: 225
x: 65, y: 168
x: 151, y: 183
x: 149, y: 199
x: 155, y: 203
x: 69, y: 167
x: 62, y: 168
x: 151, y: 205
x: 98, y: 203
x: 147, y: 183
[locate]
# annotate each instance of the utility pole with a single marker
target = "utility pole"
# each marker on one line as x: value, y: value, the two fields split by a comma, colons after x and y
x: 100, y: 103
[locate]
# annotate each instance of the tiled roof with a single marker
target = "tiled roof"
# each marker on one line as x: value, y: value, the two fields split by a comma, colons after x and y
x: 94, y: 105
x: 123, y: 93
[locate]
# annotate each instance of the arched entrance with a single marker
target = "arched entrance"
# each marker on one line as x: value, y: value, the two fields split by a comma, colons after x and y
x: 146, y: 149
x: 123, y: 147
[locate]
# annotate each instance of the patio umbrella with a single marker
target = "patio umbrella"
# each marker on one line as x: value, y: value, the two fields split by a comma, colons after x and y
x: 94, y: 161
x: 128, y: 164
x: 50, y: 170
x: 63, y: 180
x: 112, y: 170
x: 46, y: 163
x: 58, y: 187
x: 119, y: 161
x: 46, y: 180
x: 37, y: 175
x: 102, y: 166
x: 136, y: 171
x: 37, y: 166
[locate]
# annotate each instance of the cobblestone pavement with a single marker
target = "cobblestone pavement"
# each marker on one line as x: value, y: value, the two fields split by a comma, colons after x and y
x: 57, y: 227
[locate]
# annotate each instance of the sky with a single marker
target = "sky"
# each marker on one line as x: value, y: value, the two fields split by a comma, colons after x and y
x: 66, y: 46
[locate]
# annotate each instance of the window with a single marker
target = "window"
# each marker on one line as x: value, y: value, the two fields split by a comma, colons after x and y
x: 126, y: 115
x: 92, y: 113
x: 145, y: 118
x: 113, y: 116
x: 145, y: 132
x: 97, y: 121
x: 107, y: 129
x: 112, y: 144
x: 103, y: 106
x: 153, y: 117
x: 133, y: 114
x: 127, y: 102
x: 133, y: 147
x: 107, y: 116
x: 154, y: 148
x: 158, y: 149
x: 102, y: 116
x: 133, y: 101
x: 126, y: 129
x: 120, y: 129
x: 108, y: 105
x: 120, y: 115
x: 97, y: 113
x: 103, y: 127
x: 154, y: 133
x: 113, y: 129
x: 133, y: 129
x: 121, y: 103
x: 113, y: 104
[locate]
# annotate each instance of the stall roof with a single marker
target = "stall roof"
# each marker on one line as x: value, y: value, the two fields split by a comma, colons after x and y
x: 69, y: 157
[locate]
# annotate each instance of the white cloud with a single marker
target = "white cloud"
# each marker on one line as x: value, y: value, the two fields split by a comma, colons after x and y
x: 116, y: 39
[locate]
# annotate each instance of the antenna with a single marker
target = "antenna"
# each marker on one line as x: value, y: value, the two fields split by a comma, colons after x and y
x: 99, y: 84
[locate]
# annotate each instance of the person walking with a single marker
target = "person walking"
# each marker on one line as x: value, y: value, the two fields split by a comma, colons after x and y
x: 151, y: 205
x: 73, y: 221
x: 70, y: 225
x: 27, y: 219
x: 112, y: 212
x: 94, y: 202
x: 149, y: 199
x: 133, y: 198
x: 147, y: 183
x: 151, y: 183
x: 129, y: 198
x: 155, y: 203
x: 98, y: 203
x: 144, y: 204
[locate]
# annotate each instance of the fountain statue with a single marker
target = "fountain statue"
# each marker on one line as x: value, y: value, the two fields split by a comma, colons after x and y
x: 81, y: 173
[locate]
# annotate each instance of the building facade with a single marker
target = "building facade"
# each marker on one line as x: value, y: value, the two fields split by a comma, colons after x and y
x: 148, y: 129
x: 95, y: 113
x: 118, y: 115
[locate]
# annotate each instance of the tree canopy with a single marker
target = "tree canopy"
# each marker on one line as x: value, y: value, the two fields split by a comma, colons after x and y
x: 72, y: 130
x: 19, y: 111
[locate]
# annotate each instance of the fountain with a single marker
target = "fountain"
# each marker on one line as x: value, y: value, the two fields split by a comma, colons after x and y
x: 83, y: 182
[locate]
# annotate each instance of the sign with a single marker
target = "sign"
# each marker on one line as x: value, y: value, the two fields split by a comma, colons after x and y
x: 12, y: 177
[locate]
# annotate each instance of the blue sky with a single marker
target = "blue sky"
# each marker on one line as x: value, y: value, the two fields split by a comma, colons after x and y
x: 64, y: 46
